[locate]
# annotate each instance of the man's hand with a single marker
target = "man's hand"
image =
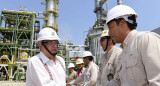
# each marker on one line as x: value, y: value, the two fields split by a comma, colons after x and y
x: 67, y: 84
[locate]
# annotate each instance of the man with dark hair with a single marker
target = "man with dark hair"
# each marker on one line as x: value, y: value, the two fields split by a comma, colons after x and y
x: 138, y: 64
x: 90, y: 74
x: 72, y: 73
x: 80, y: 69
x: 108, y: 63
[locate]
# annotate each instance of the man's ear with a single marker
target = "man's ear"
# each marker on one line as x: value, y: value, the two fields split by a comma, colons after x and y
x: 39, y: 44
x: 122, y: 22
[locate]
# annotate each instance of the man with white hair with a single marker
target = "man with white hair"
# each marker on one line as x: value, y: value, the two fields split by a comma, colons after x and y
x: 46, y: 68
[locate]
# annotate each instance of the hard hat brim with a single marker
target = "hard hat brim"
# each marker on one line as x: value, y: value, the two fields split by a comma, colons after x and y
x: 79, y: 63
x: 46, y: 38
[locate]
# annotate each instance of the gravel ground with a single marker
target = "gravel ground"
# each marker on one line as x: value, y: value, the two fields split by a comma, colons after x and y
x: 12, y: 83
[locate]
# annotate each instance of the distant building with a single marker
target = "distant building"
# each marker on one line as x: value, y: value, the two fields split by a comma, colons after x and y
x: 156, y: 30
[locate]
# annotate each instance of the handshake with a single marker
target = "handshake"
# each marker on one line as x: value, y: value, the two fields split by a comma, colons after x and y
x: 68, y: 84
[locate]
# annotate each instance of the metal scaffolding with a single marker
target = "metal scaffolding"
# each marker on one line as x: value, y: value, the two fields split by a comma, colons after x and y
x: 93, y: 36
x: 17, y: 42
x: 70, y: 52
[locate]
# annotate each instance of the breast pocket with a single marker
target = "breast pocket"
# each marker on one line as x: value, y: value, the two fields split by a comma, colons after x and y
x: 131, y: 61
x: 111, y: 68
x: 119, y: 66
x: 131, y: 66
x: 87, y: 76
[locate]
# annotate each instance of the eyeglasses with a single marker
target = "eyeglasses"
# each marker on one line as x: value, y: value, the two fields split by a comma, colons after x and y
x: 50, y: 42
x: 102, y: 39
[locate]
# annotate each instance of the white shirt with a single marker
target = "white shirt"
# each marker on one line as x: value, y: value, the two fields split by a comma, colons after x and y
x: 37, y: 75
x: 89, y: 76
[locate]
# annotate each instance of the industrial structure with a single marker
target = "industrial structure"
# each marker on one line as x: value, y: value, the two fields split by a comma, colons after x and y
x: 51, y: 14
x: 92, y: 40
x: 157, y: 30
x: 18, y: 35
x: 18, y: 31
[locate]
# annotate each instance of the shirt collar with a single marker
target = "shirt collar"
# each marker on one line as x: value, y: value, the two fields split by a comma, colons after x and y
x: 90, y: 63
x: 109, y: 53
x: 129, y: 38
x: 44, y: 58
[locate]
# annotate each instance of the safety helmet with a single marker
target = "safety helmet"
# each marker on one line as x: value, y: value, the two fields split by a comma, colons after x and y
x: 87, y: 53
x: 119, y: 11
x: 79, y: 61
x: 70, y: 65
x: 105, y: 33
x: 47, y: 34
x: 105, y: 27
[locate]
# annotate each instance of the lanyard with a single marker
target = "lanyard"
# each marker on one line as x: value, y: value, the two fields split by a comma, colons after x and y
x: 46, y: 67
x: 61, y: 65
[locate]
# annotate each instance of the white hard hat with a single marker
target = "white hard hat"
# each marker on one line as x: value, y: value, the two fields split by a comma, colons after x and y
x: 119, y: 11
x: 87, y: 53
x: 79, y: 61
x: 105, y: 33
x: 70, y: 65
x: 47, y: 34
x: 105, y: 27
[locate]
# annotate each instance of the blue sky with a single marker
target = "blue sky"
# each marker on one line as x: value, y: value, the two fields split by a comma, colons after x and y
x: 77, y: 16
